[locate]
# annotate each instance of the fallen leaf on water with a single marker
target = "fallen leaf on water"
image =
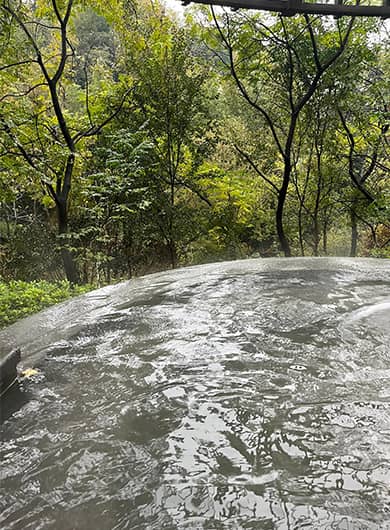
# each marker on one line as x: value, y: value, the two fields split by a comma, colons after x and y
x: 29, y: 372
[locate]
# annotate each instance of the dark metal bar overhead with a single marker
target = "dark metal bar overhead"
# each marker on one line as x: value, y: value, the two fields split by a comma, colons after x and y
x: 292, y: 7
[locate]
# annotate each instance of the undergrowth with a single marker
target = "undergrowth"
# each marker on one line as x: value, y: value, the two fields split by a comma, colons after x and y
x: 19, y: 299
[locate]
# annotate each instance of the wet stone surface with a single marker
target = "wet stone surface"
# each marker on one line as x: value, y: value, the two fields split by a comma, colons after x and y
x: 251, y: 394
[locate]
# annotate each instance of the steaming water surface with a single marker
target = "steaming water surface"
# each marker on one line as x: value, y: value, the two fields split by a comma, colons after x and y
x: 240, y: 395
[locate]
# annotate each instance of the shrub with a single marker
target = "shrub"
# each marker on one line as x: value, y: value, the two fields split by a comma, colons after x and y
x: 19, y: 299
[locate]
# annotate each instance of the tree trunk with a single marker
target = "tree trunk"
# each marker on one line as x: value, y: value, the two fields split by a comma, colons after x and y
x: 316, y: 223
x: 171, y: 241
x: 283, y: 242
x: 300, y: 231
x: 316, y: 235
x: 325, y: 237
x: 67, y: 259
x: 373, y: 236
x: 354, y: 234
x: 172, y: 253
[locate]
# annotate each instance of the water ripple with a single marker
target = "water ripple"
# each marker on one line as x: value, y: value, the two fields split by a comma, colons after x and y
x: 242, y: 395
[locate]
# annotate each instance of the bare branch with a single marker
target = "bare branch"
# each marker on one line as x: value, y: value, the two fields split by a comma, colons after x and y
x: 194, y: 189
x: 320, y: 72
x: 290, y: 67
x: 241, y: 87
x: 313, y: 42
x: 64, y: 40
x: 30, y: 38
x: 57, y: 12
x: 20, y: 63
x: 248, y: 159
x: 27, y: 156
x: 351, y: 140
x: 22, y: 94
x: 96, y: 129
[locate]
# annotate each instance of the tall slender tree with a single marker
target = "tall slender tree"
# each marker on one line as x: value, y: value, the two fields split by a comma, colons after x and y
x: 45, y: 136
x: 277, y: 68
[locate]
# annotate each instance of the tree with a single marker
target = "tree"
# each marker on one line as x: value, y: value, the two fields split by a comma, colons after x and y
x: 316, y: 174
x: 291, y: 58
x: 362, y: 130
x: 171, y: 92
x: 44, y: 136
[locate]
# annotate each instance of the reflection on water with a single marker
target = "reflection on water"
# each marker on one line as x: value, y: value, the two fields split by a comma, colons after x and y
x: 244, y: 395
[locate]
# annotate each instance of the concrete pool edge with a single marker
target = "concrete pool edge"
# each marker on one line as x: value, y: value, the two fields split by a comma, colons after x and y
x: 8, y: 369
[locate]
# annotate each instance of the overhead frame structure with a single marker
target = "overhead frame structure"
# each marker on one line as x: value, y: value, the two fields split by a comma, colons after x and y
x: 292, y: 7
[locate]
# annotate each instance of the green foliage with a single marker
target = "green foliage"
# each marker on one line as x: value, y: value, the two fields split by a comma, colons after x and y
x: 30, y: 253
x: 119, y: 202
x: 171, y: 164
x: 19, y: 299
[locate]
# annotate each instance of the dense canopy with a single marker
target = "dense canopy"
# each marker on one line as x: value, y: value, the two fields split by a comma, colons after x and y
x: 133, y: 139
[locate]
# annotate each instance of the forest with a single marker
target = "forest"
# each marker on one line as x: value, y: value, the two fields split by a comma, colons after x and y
x: 134, y: 139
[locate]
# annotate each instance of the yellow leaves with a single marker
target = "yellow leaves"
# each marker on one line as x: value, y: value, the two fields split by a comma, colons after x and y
x: 44, y: 9
x: 29, y: 372
x: 47, y: 201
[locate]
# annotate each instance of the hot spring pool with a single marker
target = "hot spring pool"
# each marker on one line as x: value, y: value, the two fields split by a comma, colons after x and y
x: 251, y: 394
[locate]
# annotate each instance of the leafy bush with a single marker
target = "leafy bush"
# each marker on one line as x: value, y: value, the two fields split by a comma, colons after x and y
x: 19, y: 299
